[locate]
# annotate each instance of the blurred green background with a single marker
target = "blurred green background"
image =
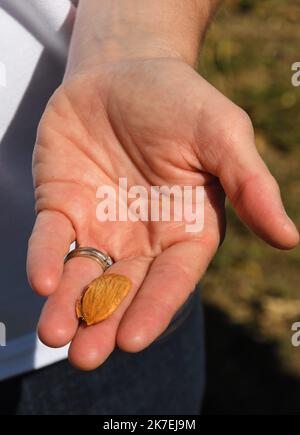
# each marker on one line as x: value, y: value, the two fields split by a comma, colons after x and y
x: 251, y: 291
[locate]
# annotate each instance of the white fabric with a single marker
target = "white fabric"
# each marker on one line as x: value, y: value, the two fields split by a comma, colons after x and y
x: 33, y: 48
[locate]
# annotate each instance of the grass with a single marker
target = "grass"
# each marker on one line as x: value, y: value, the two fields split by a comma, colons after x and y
x: 248, y: 56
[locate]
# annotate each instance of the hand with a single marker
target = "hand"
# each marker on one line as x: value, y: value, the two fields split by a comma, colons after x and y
x: 156, y: 122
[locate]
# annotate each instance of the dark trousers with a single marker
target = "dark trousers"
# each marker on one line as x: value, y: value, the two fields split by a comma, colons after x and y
x: 167, y: 378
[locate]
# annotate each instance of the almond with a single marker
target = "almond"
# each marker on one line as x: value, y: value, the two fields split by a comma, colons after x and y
x: 102, y: 297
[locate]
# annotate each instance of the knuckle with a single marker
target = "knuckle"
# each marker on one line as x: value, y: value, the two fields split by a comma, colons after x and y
x: 239, y: 128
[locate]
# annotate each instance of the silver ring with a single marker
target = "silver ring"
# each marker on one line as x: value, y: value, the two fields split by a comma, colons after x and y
x: 104, y: 260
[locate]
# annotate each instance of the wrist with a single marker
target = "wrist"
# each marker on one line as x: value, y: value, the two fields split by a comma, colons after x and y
x: 114, y: 30
x: 115, y: 49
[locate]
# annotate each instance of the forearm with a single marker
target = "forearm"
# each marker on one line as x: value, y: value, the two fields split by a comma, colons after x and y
x: 110, y: 30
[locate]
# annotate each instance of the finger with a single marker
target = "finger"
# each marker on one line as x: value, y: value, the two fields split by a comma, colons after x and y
x: 172, y: 277
x: 49, y: 242
x: 58, y: 322
x: 93, y: 344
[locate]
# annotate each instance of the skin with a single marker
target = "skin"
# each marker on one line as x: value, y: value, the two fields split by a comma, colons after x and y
x: 150, y: 117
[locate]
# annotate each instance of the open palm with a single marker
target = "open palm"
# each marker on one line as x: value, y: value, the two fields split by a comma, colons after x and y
x: 153, y: 122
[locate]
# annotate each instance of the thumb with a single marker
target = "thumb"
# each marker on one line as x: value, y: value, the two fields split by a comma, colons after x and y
x: 250, y: 187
